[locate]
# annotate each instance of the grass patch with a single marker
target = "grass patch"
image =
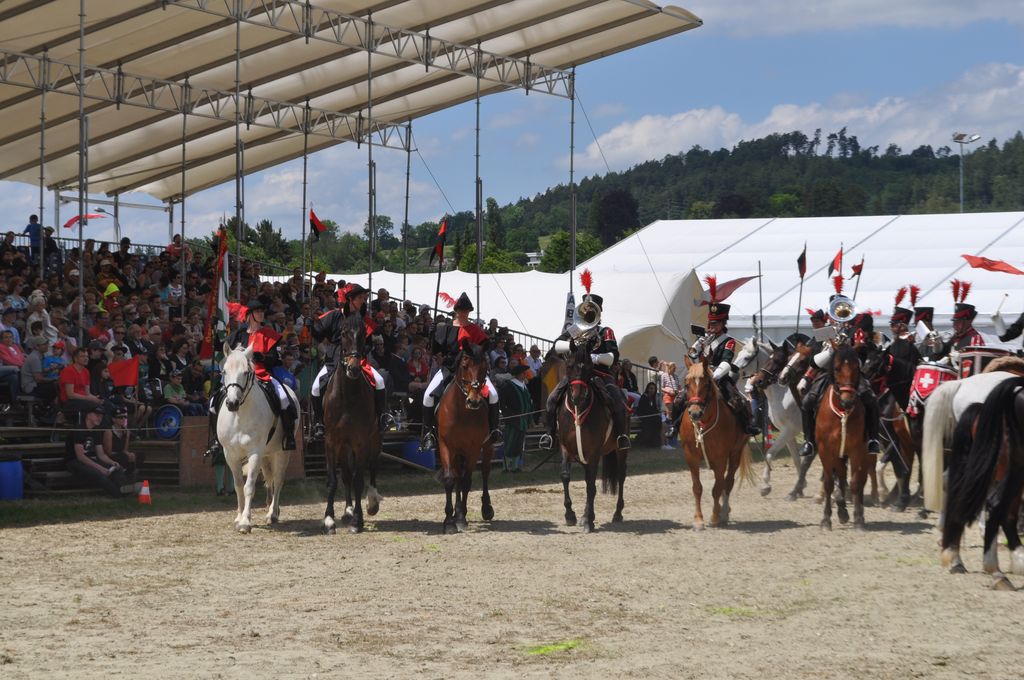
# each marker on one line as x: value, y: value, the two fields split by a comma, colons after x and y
x: 736, y: 612
x: 554, y: 648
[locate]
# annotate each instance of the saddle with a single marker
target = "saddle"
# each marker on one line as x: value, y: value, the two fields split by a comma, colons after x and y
x: 271, y: 394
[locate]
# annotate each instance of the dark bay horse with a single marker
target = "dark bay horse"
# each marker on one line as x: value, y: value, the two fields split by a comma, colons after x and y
x: 352, y: 441
x: 462, y: 437
x: 712, y: 434
x: 840, y: 433
x: 895, y: 430
x: 988, y: 450
x: 586, y: 436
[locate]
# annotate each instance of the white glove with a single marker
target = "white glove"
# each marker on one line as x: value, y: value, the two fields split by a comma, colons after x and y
x: 999, y: 324
x: 802, y: 386
x: 748, y: 387
x: 605, y: 358
x: 823, y: 359
x: 698, y: 347
x: 722, y: 370
x: 562, y: 346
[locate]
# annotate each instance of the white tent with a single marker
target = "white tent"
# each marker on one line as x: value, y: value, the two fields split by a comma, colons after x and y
x: 897, y: 251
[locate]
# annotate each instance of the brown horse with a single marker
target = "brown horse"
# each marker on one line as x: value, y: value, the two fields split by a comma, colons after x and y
x: 462, y: 437
x: 840, y: 433
x: 712, y: 434
x: 352, y: 440
x: 585, y: 434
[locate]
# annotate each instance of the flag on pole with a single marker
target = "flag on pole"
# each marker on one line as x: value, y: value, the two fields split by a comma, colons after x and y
x: 718, y: 292
x: 836, y: 265
x: 89, y: 216
x: 857, y: 268
x: 125, y: 373
x: 801, y: 263
x: 316, y: 227
x: 217, y: 302
x: 991, y: 265
x: 442, y: 234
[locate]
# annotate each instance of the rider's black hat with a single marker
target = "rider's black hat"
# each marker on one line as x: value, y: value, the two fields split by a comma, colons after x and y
x: 464, y: 303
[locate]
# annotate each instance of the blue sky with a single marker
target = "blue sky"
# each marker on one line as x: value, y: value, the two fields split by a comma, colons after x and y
x: 909, y: 72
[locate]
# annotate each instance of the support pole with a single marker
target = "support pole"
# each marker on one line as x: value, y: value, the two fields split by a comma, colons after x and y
x: 43, y: 79
x: 371, y: 175
x: 184, y: 130
x: 305, y: 179
x: 117, y: 217
x: 83, y: 145
x: 479, y: 191
x: 405, y: 218
x: 760, y: 305
x: 238, y: 151
x: 572, y: 177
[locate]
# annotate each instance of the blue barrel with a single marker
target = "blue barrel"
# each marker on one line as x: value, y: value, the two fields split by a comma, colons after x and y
x: 12, y: 480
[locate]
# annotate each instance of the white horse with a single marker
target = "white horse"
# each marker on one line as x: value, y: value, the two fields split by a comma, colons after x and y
x: 252, y: 437
x: 783, y: 410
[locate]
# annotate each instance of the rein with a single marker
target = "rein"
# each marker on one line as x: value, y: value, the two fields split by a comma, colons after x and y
x: 579, y: 418
x: 250, y: 380
x: 842, y: 415
x: 698, y: 427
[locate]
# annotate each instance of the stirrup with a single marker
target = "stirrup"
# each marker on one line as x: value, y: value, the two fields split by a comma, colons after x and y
x: 386, y: 422
x: 213, y: 449
x: 496, y: 437
x: 317, y: 435
x: 873, y: 446
x: 428, y: 441
x: 807, y: 451
x: 546, y: 441
x: 622, y: 446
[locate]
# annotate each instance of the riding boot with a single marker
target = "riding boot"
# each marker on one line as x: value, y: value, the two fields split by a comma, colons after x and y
x: 317, y: 434
x: 809, y: 413
x: 494, y: 423
x: 871, y: 420
x: 547, y: 440
x: 214, y: 448
x: 288, y: 418
x: 380, y: 408
x: 620, y: 424
x: 428, y: 438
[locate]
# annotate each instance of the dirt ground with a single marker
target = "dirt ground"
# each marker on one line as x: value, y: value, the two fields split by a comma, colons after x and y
x: 183, y: 595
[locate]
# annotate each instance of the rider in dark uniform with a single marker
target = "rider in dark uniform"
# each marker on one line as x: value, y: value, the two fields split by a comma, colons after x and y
x: 720, y: 349
x: 328, y: 327
x: 265, y: 357
x: 860, y: 328
x: 448, y: 339
x: 964, y: 334
x: 605, y: 353
x: 902, y: 351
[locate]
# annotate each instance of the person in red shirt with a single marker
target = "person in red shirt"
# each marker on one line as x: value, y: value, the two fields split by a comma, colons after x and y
x: 73, y: 384
x: 11, y: 359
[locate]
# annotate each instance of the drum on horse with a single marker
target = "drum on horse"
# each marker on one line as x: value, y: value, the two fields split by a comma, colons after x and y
x: 252, y: 437
x: 586, y: 435
x: 712, y: 434
x: 988, y: 450
x: 895, y: 430
x: 462, y: 437
x: 783, y: 408
x: 352, y: 440
x: 840, y: 433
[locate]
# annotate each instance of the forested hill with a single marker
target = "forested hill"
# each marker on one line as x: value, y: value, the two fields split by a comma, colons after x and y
x: 781, y: 175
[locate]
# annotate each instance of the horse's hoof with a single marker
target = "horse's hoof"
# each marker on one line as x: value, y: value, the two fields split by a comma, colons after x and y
x: 791, y: 497
x: 1003, y: 583
x: 487, y: 512
x: 922, y: 514
x: 448, y: 528
x: 698, y: 526
x: 819, y: 499
x: 570, y: 519
x: 372, y: 509
x: 843, y: 514
x: 1017, y: 561
x: 766, y: 489
x: 245, y: 528
x: 274, y: 520
x: 826, y: 524
x: 958, y: 568
x: 461, y: 527
x: 588, y: 527
x: 858, y: 525
x: 355, y: 529
x: 617, y: 517
x: 347, y: 517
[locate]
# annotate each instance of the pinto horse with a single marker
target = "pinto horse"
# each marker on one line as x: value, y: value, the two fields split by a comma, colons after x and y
x: 586, y: 436
x: 463, y: 437
x: 352, y: 441
x: 714, y: 435
x: 988, y: 449
x: 840, y: 432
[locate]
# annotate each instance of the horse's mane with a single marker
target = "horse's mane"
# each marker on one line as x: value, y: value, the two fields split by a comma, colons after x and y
x: 696, y: 370
x: 474, y: 351
x: 236, y: 360
x: 794, y: 339
x: 846, y: 354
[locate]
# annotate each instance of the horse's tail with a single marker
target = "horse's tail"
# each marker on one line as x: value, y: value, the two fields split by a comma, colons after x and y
x: 970, y: 471
x: 610, y: 473
x: 936, y: 430
x: 747, y: 473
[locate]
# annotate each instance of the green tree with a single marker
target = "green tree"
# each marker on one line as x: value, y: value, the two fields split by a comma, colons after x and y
x: 784, y: 204
x: 495, y: 228
x: 556, y: 258
x: 613, y: 212
x: 700, y: 210
x: 384, y: 234
x: 495, y: 261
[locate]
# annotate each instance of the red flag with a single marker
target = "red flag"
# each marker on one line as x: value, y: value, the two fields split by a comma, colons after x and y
x: 89, y: 216
x: 315, y: 225
x: 125, y: 373
x: 801, y: 263
x: 438, y: 251
x: 991, y: 265
x: 836, y: 265
x: 724, y: 290
x: 857, y: 268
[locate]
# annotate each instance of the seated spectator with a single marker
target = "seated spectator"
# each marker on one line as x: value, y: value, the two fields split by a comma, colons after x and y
x: 55, y: 361
x: 284, y: 372
x: 15, y: 298
x: 34, y: 379
x: 116, y: 443
x: 627, y: 382
x: 419, y: 371
x: 12, y: 358
x: 85, y: 457
x: 381, y: 301
x: 74, y: 382
x: 174, y: 393
x: 8, y: 322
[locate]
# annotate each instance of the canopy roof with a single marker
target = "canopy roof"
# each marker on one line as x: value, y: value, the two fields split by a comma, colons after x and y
x: 148, y: 62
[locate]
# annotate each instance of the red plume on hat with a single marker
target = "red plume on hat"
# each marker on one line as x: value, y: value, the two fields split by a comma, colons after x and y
x: 965, y: 288
x: 712, y: 282
x: 810, y: 311
x: 447, y: 299
x: 900, y: 294
x: 587, y: 280
x: 837, y: 282
x: 914, y: 292
x: 237, y: 310
x: 955, y: 285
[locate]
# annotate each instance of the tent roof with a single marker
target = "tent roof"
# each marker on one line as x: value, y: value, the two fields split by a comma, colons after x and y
x: 140, y: 52
x: 898, y: 250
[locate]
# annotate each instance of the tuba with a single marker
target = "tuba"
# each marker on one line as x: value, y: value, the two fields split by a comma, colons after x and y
x: 842, y: 309
x: 585, y: 319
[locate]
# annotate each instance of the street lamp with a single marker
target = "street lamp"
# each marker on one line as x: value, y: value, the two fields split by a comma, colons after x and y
x: 963, y: 138
x: 117, y: 225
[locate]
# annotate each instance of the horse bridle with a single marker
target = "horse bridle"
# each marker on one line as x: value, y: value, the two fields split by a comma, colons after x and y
x: 474, y: 385
x: 250, y: 380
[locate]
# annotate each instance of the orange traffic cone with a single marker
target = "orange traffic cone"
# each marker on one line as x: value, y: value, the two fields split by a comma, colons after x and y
x: 144, y: 497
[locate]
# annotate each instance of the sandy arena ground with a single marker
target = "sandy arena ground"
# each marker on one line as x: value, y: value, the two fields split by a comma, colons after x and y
x: 183, y: 595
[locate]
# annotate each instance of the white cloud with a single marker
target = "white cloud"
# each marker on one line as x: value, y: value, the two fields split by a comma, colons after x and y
x: 757, y: 17
x: 528, y: 140
x: 986, y: 100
